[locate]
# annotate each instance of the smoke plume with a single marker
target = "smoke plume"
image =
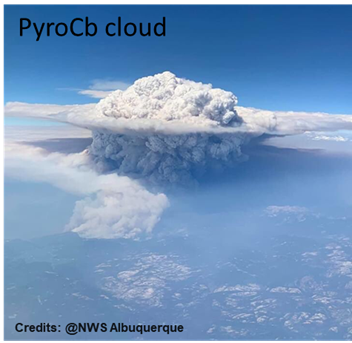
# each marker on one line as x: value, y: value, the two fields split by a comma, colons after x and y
x: 169, y: 157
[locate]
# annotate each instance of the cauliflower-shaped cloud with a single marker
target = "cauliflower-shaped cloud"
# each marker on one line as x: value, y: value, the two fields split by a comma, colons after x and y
x: 168, y: 157
x: 167, y: 97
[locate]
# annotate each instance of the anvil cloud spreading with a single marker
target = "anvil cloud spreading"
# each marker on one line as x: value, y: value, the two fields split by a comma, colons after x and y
x: 162, y: 129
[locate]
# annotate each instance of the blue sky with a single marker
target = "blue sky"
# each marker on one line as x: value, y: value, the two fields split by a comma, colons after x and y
x: 272, y: 57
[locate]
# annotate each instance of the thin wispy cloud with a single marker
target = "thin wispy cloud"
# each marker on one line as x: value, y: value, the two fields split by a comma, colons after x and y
x: 330, y: 138
x: 93, y: 93
x: 100, y: 88
x: 106, y: 85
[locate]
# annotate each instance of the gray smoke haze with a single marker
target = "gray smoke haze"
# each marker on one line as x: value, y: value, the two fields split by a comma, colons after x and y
x: 166, y: 158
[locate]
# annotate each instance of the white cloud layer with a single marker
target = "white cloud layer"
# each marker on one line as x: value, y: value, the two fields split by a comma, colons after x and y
x: 32, y: 133
x: 112, y: 206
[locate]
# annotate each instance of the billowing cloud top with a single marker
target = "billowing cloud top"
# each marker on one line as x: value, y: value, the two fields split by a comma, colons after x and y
x: 167, y: 97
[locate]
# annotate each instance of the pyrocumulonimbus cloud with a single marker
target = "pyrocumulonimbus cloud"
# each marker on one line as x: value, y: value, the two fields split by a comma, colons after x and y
x: 168, y: 157
x: 162, y: 129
